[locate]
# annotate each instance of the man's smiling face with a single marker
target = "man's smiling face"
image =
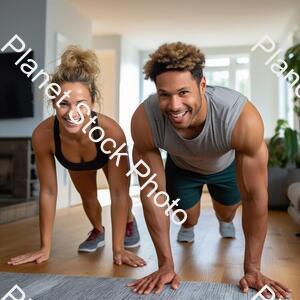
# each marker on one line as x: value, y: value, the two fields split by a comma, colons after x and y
x: 180, y: 97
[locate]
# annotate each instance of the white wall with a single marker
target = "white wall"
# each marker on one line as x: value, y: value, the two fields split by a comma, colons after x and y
x: 292, y: 27
x: 127, y: 70
x: 290, y: 37
x: 106, y: 83
x: 63, y: 18
x: 26, y: 19
x: 76, y: 29
x: 129, y: 86
x: 108, y: 49
x: 126, y: 83
x: 264, y: 90
x: 112, y: 44
x: 129, y: 92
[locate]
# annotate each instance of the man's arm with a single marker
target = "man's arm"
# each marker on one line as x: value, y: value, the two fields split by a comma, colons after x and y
x: 157, y: 222
x: 120, y: 200
x: 252, y: 176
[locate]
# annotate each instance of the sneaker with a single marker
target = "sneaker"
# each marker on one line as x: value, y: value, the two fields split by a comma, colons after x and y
x: 186, y: 235
x: 132, y: 236
x: 94, y: 241
x: 226, y: 229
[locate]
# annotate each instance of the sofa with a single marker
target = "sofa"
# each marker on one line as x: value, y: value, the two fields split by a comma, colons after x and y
x: 293, y: 194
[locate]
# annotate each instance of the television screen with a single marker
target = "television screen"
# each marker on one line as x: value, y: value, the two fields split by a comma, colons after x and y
x: 16, y: 96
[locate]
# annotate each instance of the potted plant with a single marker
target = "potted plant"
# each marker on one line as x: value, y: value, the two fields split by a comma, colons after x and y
x: 297, y: 160
x: 292, y: 59
x: 283, y: 149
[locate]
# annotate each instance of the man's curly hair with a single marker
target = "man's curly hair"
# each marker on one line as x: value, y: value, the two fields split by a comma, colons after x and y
x: 175, y: 57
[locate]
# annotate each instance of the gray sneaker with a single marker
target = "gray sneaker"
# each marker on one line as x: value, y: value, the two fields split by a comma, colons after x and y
x: 94, y: 241
x: 227, y: 229
x: 186, y: 235
x: 132, y: 236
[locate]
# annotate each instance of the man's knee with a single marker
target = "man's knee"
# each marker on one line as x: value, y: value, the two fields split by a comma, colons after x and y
x: 226, y: 213
x: 193, y: 215
x: 190, y: 222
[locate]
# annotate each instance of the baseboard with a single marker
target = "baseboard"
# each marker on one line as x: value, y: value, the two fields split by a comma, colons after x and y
x: 19, y: 211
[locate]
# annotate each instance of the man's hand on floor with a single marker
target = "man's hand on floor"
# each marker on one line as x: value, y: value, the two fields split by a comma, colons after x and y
x: 156, y: 281
x: 256, y: 280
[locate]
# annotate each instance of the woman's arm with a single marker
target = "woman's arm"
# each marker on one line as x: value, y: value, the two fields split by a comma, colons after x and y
x: 120, y: 199
x: 47, y: 197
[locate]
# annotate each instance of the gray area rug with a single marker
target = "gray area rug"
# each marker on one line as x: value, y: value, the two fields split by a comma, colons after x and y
x: 54, y: 287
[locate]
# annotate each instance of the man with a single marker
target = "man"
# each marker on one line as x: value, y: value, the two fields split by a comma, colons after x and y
x: 213, y: 136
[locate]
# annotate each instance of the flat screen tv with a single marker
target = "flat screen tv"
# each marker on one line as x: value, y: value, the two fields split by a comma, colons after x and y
x: 16, y: 96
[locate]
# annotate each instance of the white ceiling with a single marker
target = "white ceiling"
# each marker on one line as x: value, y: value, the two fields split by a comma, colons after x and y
x: 210, y: 23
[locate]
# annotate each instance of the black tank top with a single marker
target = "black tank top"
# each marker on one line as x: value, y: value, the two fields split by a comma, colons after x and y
x: 97, y: 163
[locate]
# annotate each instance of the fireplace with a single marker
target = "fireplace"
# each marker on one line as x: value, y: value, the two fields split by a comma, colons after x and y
x: 6, y: 175
x: 17, y: 171
x: 19, y: 188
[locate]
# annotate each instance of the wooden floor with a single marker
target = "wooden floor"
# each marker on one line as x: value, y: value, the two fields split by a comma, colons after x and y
x: 209, y: 259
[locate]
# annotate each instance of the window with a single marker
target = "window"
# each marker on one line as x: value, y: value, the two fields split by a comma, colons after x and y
x: 242, y: 81
x: 147, y: 89
x: 217, y: 78
x: 229, y: 71
x: 217, y: 62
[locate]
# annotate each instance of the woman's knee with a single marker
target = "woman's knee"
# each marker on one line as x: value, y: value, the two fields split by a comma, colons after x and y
x: 90, y: 201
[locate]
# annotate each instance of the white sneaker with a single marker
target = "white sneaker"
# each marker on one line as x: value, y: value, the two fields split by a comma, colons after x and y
x: 226, y: 229
x: 186, y: 235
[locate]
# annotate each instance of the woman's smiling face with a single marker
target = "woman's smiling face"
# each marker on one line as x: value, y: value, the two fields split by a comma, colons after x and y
x: 79, y: 94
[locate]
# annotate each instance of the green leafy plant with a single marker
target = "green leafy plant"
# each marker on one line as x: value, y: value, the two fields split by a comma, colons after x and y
x: 283, y: 146
x: 292, y: 58
x: 297, y: 160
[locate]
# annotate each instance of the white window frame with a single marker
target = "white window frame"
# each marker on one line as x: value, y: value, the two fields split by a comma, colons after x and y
x: 231, y: 68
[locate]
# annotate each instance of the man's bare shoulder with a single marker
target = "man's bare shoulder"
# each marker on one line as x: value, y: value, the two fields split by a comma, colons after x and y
x: 248, y: 133
x: 141, y: 131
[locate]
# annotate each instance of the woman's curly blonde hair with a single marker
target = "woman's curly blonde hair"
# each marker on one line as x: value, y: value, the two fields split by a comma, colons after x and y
x: 78, y: 65
x: 175, y: 57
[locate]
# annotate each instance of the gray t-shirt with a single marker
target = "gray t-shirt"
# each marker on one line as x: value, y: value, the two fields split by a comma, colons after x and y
x: 209, y: 152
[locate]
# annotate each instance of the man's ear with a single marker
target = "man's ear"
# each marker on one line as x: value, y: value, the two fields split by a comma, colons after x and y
x: 202, y: 85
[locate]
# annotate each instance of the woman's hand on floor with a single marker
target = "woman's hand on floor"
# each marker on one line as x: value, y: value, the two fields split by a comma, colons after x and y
x: 37, y: 256
x: 128, y: 258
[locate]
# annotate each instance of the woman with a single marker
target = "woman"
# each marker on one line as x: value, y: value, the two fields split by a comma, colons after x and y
x: 65, y: 136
